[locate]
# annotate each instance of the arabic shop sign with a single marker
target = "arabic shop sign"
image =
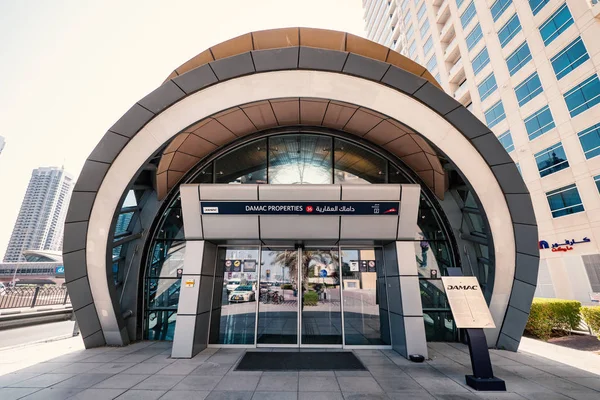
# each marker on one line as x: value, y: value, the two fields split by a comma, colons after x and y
x: 566, y: 246
x: 300, y: 208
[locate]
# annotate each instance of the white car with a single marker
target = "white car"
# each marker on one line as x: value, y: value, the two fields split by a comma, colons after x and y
x: 242, y: 294
x: 2, y: 289
x: 232, y: 285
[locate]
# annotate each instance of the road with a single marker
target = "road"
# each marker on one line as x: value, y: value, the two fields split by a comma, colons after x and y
x: 28, y: 334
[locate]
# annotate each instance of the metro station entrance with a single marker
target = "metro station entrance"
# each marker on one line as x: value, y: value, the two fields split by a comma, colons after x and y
x: 330, y: 297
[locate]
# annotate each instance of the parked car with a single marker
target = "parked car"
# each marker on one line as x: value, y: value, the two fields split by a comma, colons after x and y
x: 242, y: 294
x: 232, y: 285
x: 2, y: 289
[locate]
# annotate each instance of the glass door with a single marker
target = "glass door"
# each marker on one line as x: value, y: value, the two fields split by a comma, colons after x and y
x: 321, y: 317
x: 278, y: 298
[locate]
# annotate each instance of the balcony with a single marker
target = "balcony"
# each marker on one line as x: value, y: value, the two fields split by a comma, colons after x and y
x: 447, y: 32
x: 595, y: 7
x: 457, y: 72
x: 452, y: 52
x: 462, y: 94
x: 443, y: 13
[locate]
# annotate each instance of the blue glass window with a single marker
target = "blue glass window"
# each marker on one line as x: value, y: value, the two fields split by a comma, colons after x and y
x: 556, y: 24
x: 597, y: 180
x: 537, y: 5
x: 410, y: 32
x: 583, y: 96
x: 518, y: 58
x: 528, y: 89
x: 519, y: 168
x: 437, y: 78
x: 509, y: 30
x: 412, y: 49
x: 427, y: 46
x: 590, y: 141
x: 569, y: 58
x: 407, y: 17
x: 564, y: 201
x: 487, y: 87
x: 498, y: 8
x: 539, y: 123
x: 495, y: 114
x: 404, y: 5
x: 421, y: 11
x: 474, y: 37
x: 468, y: 14
x: 481, y: 60
x: 506, y: 141
x: 424, y: 28
x: 432, y: 63
x: 459, y: 3
x: 551, y: 160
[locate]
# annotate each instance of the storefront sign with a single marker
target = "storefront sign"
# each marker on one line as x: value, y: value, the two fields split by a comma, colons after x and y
x: 60, y: 270
x: 353, y: 266
x: 300, y: 208
x: 190, y: 282
x: 367, y: 265
x: 566, y: 246
x: 467, y: 302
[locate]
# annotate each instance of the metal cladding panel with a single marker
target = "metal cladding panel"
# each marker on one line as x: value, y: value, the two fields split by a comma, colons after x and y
x: 201, y: 333
x: 275, y: 59
x: 76, y: 265
x: 190, y: 207
x: 411, y: 296
x: 299, y: 192
x: 205, y: 294
x: 371, y: 192
x: 162, y: 97
x: 380, y: 227
x: 402, y: 80
x: 365, y: 67
x: 192, y: 261
x: 80, y: 206
x: 393, y: 291
x: 514, y: 322
x: 436, y: 99
x: 527, y: 268
x: 188, y: 297
x: 184, y: 336
x: 299, y: 227
x: 415, y: 335
x: 320, y: 59
x: 228, y: 192
x: 209, y: 259
x: 390, y: 258
x: 409, y: 211
x: 522, y: 296
x: 407, y: 265
x: 398, y: 334
x: 230, y: 227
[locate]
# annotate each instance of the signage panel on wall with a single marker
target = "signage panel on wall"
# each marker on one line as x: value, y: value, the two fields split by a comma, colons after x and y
x: 353, y: 266
x: 467, y: 302
x: 300, y: 208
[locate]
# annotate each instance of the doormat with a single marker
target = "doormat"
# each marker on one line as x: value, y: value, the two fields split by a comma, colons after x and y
x: 300, y: 361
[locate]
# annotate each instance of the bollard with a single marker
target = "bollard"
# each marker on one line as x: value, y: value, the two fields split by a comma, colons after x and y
x: 35, y: 295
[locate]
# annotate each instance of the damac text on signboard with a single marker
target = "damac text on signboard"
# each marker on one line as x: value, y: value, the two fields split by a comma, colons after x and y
x: 300, y: 208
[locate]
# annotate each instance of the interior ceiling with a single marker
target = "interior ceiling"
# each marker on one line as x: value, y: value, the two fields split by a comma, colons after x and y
x: 207, y: 135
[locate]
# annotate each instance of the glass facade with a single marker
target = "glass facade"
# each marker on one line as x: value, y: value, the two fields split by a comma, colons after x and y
x: 569, y: 58
x: 518, y: 58
x: 556, y: 24
x: 468, y: 15
x: 583, y: 96
x: 432, y: 63
x: 474, y: 37
x: 487, y: 87
x: 506, y: 141
x: 494, y: 114
x: 315, y: 296
x: 537, y: 5
x: 509, y: 30
x: 590, y: 141
x: 481, y: 60
x: 499, y: 7
x: 528, y: 89
x: 427, y: 46
x: 565, y: 201
x: 424, y: 28
x: 551, y: 160
x: 539, y: 123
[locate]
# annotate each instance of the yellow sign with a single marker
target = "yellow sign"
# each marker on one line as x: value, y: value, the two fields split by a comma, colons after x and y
x: 237, y: 263
x: 190, y: 282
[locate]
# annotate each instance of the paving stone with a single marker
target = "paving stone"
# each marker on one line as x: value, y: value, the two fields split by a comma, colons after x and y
x: 318, y: 384
x: 53, y: 394
x: 98, y: 394
x: 177, y: 369
x: 43, y: 381
x: 359, y: 384
x: 121, y: 381
x: 15, y: 393
x: 396, y: 384
x: 195, y: 382
x: 412, y: 395
x: 82, y: 381
x: 441, y: 385
x: 278, y: 382
x: 144, y: 369
x: 365, y: 396
x: 544, y: 396
x: 162, y: 382
x: 44, y: 368
x: 238, y: 383
x: 275, y: 395
x: 224, y: 359
x: 229, y: 395
x: 185, y: 395
x: 79, y: 368
x: 320, y: 396
x: 378, y: 360
x: 11, y: 379
x: 210, y: 369
x: 141, y: 395
x: 111, y: 368
x: 103, y: 358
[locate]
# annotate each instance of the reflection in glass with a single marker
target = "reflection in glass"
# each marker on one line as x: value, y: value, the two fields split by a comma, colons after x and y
x: 172, y: 222
x: 439, y: 326
x: 234, y: 296
x: 246, y: 164
x: 300, y: 159
x: 321, y: 305
x: 161, y: 325
x: 365, y: 298
x: 278, y: 307
x: 357, y: 165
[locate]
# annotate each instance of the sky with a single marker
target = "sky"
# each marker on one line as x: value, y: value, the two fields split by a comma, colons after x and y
x: 69, y: 69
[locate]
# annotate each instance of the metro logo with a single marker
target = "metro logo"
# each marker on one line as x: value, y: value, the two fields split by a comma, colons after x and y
x: 462, y: 287
x: 210, y: 210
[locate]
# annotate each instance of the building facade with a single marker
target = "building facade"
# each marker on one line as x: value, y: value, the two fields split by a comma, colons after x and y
x: 297, y: 188
x: 529, y: 70
x: 40, y: 222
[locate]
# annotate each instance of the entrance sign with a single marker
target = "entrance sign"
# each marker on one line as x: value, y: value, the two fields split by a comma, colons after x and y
x: 300, y: 208
x: 467, y: 302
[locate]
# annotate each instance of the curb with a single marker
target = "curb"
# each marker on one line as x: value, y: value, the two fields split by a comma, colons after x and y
x: 47, y: 340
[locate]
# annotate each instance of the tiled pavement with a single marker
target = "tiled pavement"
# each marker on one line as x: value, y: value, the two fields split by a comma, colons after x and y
x: 144, y: 371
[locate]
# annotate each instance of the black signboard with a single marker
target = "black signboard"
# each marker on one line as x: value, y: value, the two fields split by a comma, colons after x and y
x: 233, y: 265
x: 363, y: 265
x: 300, y: 208
x: 367, y: 265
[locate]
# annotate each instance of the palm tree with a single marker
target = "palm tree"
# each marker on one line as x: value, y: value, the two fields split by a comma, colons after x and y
x: 289, y: 259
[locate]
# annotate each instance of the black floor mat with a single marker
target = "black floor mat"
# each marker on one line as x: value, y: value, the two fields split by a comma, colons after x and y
x: 300, y: 361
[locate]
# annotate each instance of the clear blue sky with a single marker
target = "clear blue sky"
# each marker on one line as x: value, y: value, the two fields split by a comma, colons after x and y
x: 70, y: 69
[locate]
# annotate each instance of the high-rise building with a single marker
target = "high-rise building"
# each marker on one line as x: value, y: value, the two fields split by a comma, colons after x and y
x: 2, y: 142
x: 529, y: 70
x: 41, y: 218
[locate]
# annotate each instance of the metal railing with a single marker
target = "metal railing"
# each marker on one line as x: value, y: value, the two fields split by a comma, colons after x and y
x: 20, y: 297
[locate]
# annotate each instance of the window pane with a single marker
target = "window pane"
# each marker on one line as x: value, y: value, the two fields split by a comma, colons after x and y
x: 487, y: 87
x: 481, y: 60
x: 498, y: 8
x: 518, y: 58
x: 247, y: 164
x: 474, y: 37
x: 432, y: 63
x: 495, y: 114
x: 590, y: 141
x: 556, y: 24
x: 421, y: 11
x: 583, y: 96
x: 427, y: 46
x: 300, y: 159
x: 564, y: 201
x: 123, y: 221
x: 537, y: 5
x: 551, y: 160
x: 506, y: 141
x: 528, y: 89
x: 161, y: 325
x: 424, y: 28
x: 355, y: 164
x: 509, y: 30
x: 569, y: 58
x: 468, y: 14
x: 539, y: 123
